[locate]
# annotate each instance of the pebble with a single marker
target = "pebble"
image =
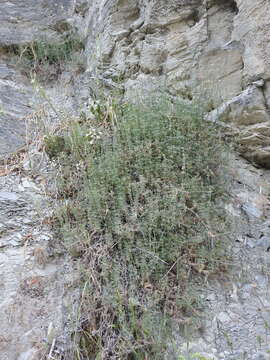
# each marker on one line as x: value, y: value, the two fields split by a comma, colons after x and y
x: 251, y: 210
x: 8, y: 196
x: 30, y: 185
x: 211, y: 297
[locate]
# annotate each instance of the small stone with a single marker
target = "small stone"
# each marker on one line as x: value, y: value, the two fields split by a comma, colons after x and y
x: 211, y: 297
x: 14, y: 242
x: 259, y: 83
x: 29, y: 185
x: 2, y: 227
x: 251, y: 210
x: 262, y: 281
x: 118, y: 37
x: 27, y: 221
x: 44, y: 237
x: 8, y: 196
x: 137, y: 24
x: 251, y: 243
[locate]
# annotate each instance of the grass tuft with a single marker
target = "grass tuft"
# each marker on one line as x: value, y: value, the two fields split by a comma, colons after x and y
x: 46, y: 59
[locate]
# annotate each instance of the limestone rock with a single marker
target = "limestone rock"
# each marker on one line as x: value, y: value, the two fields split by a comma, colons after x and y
x: 251, y: 28
x: 22, y: 22
x: 248, y: 116
x: 209, y: 50
x: 216, y: 51
x: 25, y: 21
x: 14, y: 106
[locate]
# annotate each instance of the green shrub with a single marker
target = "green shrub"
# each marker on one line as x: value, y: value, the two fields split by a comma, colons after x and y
x: 45, y: 52
x: 46, y: 58
x: 142, y: 185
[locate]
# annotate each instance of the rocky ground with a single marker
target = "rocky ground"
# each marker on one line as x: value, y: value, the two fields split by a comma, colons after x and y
x: 37, y: 279
x: 34, y: 276
x: 238, y: 315
x: 37, y: 295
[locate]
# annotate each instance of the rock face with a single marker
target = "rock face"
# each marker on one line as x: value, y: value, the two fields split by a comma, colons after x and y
x: 35, y: 276
x: 211, y: 49
x: 22, y: 22
x: 215, y: 51
x: 14, y: 105
x: 25, y: 21
x: 33, y: 295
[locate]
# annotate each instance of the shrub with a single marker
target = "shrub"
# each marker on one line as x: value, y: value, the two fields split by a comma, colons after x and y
x: 141, y: 184
x: 43, y: 51
x: 46, y: 58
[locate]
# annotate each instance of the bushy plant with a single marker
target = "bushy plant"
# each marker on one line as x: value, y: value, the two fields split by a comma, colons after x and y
x: 141, y: 185
x: 45, y: 58
x: 44, y: 51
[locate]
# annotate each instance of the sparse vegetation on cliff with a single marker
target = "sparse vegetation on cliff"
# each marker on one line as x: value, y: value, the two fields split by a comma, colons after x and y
x: 139, y: 186
x: 46, y: 58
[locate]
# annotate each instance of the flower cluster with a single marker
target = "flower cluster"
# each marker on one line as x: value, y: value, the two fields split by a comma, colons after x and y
x: 93, y: 135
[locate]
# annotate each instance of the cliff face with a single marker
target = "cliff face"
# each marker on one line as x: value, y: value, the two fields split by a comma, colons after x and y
x: 217, y: 50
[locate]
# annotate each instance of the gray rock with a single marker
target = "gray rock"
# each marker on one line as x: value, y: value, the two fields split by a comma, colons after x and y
x: 24, y: 21
x: 8, y: 196
x: 251, y: 210
x: 202, y: 49
x: 81, y: 7
x: 206, y: 50
x: 261, y: 356
x: 264, y: 242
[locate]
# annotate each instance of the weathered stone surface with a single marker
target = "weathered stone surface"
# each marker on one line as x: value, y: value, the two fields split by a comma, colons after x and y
x: 239, y: 310
x: 252, y: 28
x: 248, y: 116
x: 32, y: 285
x: 14, y: 106
x: 24, y: 21
x: 214, y: 50
x: 220, y: 75
x: 34, y: 275
x: 267, y: 93
x: 208, y: 49
x: 20, y: 23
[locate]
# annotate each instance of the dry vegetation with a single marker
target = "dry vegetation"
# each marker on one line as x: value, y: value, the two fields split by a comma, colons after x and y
x: 139, y: 188
x: 139, y: 208
x: 44, y: 60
